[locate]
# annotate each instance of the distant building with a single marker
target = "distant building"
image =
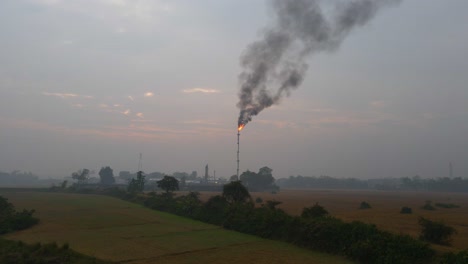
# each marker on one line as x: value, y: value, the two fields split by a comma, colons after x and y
x: 206, y: 173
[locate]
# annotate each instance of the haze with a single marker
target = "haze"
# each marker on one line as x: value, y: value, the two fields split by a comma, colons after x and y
x: 86, y: 84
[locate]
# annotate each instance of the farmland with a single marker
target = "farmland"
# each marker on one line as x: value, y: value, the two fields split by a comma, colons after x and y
x: 112, y: 229
x: 385, y: 211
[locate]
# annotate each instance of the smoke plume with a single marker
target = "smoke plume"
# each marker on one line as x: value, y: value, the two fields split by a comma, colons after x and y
x: 302, y: 27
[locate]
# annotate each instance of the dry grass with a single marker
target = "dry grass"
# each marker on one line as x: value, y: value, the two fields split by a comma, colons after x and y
x: 385, y: 211
x: 112, y: 229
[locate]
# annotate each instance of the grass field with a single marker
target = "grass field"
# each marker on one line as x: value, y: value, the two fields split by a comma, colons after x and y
x: 385, y: 211
x: 111, y: 229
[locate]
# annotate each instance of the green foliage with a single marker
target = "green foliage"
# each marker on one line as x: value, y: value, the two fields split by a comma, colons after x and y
x: 447, y: 205
x: 455, y: 258
x: 12, y: 252
x: 107, y: 176
x: 435, y: 232
x: 10, y: 220
x: 235, y: 192
x: 263, y: 180
x: 259, y: 200
x: 168, y: 184
x: 137, y: 185
x: 271, y: 204
x: 406, y: 210
x: 364, y: 205
x: 81, y: 176
x: 214, y: 210
x: 428, y: 206
x: 322, y: 182
x: 314, y: 211
x: 359, y: 241
x: 189, y: 205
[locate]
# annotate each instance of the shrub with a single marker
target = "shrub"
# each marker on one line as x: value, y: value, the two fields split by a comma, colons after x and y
x: 10, y: 220
x: 406, y: 210
x: 428, y: 206
x: 455, y: 258
x: 364, y: 205
x: 188, y: 205
x: 18, y: 252
x: 435, y: 232
x: 447, y: 205
x: 314, y: 211
x: 259, y: 200
x: 214, y: 210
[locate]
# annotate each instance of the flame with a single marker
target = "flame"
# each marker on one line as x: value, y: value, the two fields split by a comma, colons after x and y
x: 241, y: 126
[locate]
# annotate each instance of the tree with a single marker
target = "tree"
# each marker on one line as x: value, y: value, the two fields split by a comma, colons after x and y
x: 107, y: 176
x: 138, y: 184
x: 168, y: 184
x: 314, y: 211
x: 125, y: 175
x: 436, y: 232
x: 233, y: 178
x: 193, y: 175
x: 235, y: 192
x: 81, y: 176
x: 258, y: 181
x: 183, y: 182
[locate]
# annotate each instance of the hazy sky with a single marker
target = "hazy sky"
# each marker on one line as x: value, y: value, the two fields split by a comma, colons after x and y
x: 91, y: 83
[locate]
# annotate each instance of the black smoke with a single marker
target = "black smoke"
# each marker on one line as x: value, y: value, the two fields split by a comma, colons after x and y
x: 302, y: 27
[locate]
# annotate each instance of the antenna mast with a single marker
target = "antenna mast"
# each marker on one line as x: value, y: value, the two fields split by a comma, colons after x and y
x: 140, y: 162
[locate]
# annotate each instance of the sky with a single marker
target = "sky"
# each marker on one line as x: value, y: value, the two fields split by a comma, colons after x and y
x: 92, y: 83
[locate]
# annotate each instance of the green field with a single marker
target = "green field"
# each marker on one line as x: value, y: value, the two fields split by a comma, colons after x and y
x: 111, y: 229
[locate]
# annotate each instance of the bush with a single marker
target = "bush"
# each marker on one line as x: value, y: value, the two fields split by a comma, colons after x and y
x: 435, y: 232
x: 214, y: 210
x: 314, y: 211
x: 447, y: 205
x: 428, y: 206
x: 259, y: 200
x: 359, y: 241
x: 455, y: 258
x: 10, y: 220
x: 18, y: 252
x: 406, y: 210
x: 364, y: 205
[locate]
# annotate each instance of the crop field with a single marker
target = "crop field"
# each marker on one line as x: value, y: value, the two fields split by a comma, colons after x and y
x: 385, y: 211
x: 111, y: 229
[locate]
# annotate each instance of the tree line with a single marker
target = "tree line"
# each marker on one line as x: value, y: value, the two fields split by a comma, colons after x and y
x: 443, y: 184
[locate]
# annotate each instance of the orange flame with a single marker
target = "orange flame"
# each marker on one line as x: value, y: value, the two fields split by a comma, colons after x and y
x: 241, y: 126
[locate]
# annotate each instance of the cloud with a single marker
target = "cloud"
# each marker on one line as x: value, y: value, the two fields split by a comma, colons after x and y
x: 134, y: 13
x: 201, y: 122
x: 126, y: 112
x: 121, y: 30
x: 378, y: 104
x: 200, y: 90
x: 131, y: 98
x: 47, y: 2
x: 278, y: 123
x: 78, y: 105
x: 140, y: 115
x: 149, y: 94
x: 67, y: 95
